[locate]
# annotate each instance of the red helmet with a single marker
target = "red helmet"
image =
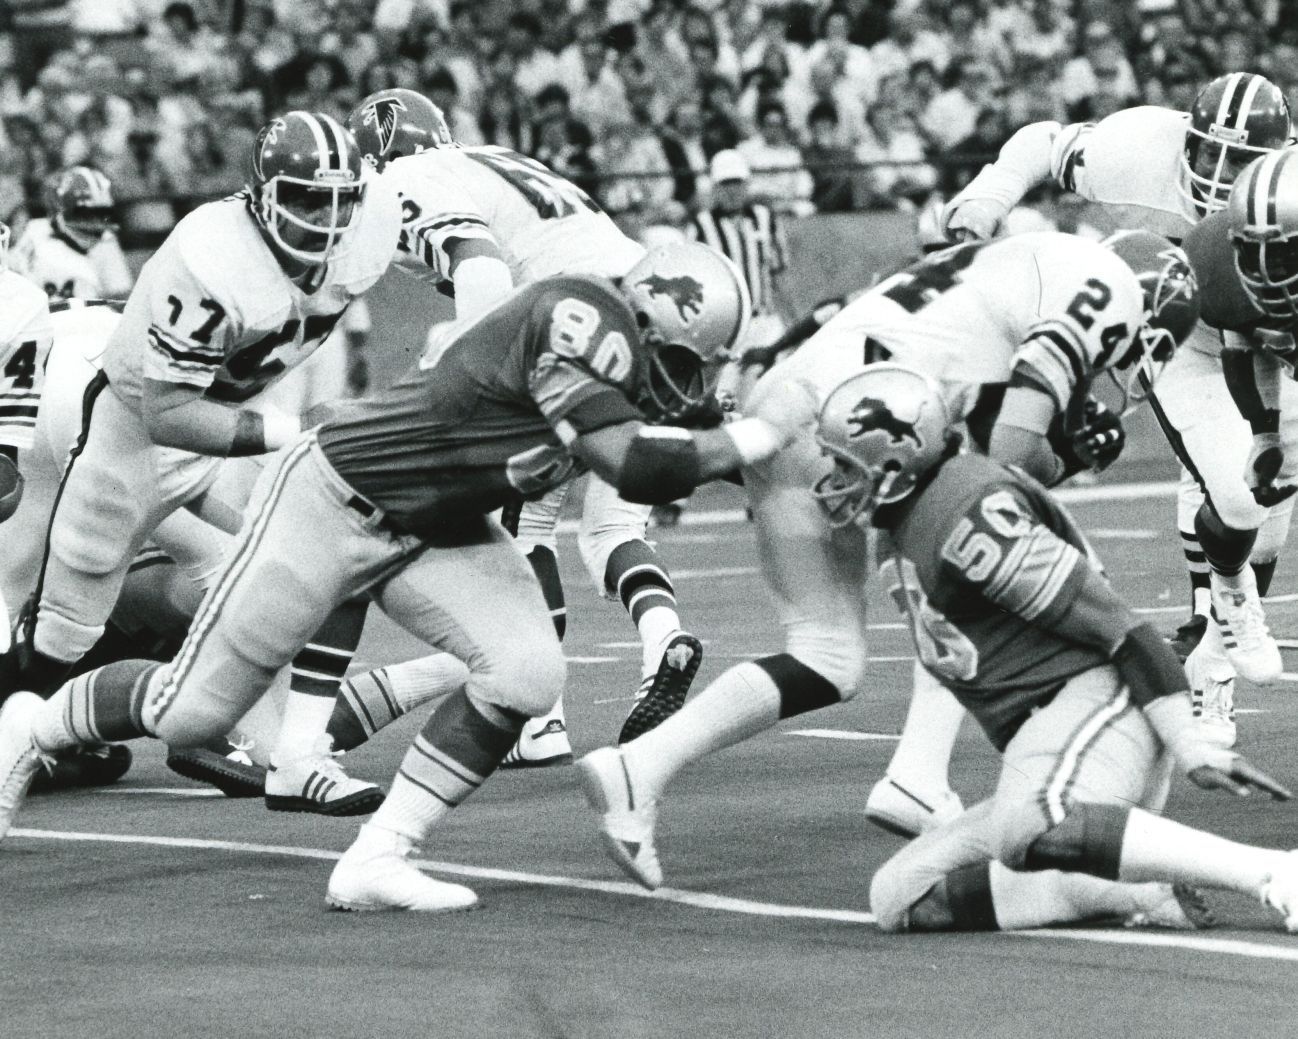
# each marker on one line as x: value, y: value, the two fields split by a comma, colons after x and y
x: 79, y: 201
x: 1264, y: 233
x: 306, y: 186
x: 1235, y: 118
x: 394, y: 123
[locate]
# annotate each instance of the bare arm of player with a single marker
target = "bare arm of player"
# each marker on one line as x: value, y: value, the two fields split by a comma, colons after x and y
x: 480, y: 274
x: 178, y: 415
x: 1254, y: 373
x: 1020, y: 435
x: 1024, y: 161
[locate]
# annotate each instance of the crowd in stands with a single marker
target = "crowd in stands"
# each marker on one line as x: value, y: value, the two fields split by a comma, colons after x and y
x: 835, y: 105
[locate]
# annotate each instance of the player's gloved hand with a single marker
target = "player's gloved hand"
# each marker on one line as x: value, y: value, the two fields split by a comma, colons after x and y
x: 11, y: 487
x: 1237, y: 775
x: 1262, y: 471
x: 973, y: 220
x: 1101, y: 438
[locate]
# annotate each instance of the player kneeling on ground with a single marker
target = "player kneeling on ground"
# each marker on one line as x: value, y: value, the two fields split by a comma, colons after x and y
x: 397, y: 493
x: 1087, y: 703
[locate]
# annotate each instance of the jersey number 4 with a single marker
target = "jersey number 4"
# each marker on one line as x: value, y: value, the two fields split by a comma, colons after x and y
x: 20, y: 369
x: 919, y: 285
x: 545, y: 191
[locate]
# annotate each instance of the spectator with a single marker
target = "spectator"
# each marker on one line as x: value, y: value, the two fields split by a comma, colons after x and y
x: 349, y: 42
x: 180, y: 48
x: 894, y: 148
x: 324, y: 87
x: 969, y: 37
x: 909, y: 40
x: 697, y: 30
x: 828, y: 84
x: 1045, y: 33
x: 966, y: 157
x: 215, y: 160
x: 953, y: 114
x: 533, y: 66
x: 444, y: 91
x: 563, y: 144
x: 143, y: 187
x: 262, y: 48
x: 598, y: 95
x: 829, y: 160
x: 1035, y: 94
x: 869, y: 20
x: 1101, y: 68
x: 26, y: 157
x: 773, y: 156
x: 502, y: 120
x: 833, y: 45
x: 684, y: 147
x: 637, y: 147
x: 772, y: 36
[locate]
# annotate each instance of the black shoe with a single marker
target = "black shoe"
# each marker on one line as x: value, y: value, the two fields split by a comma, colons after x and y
x: 666, y: 693
x: 1188, y: 636
x: 82, y: 767
x: 231, y: 776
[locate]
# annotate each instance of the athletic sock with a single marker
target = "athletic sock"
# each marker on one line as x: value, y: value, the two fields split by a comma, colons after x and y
x: 636, y: 575
x: 923, y: 754
x: 1196, y: 563
x: 1022, y: 901
x: 101, y: 706
x: 1156, y: 848
x: 545, y: 564
x: 368, y: 702
x: 1263, y: 573
x: 742, y: 702
x: 314, y: 681
x: 458, y: 748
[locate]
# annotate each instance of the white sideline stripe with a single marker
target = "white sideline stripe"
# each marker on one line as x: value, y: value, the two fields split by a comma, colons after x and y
x: 1121, y: 534
x: 593, y: 660
x: 841, y: 734
x: 696, y: 899
x: 720, y: 571
x: 174, y: 791
x: 1067, y: 495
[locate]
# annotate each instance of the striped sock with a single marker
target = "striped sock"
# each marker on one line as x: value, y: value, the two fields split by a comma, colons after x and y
x: 316, y: 675
x: 457, y: 750
x: 639, y: 579
x: 1197, y: 565
x: 545, y: 564
x: 368, y: 702
x: 101, y: 706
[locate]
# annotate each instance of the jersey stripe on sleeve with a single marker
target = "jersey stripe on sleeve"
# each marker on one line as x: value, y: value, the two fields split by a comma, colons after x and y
x: 1030, y: 577
x: 1054, y: 353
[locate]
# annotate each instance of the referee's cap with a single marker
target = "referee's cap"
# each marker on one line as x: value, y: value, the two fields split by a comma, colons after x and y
x: 729, y: 165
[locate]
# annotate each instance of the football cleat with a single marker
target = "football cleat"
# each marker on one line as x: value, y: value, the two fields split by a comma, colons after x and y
x: 626, y: 823
x: 232, y: 773
x: 1212, y: 694
x: 79, y: 767
x: 1188, y: 635
x: 664, y: 695
x: 1242, y: 622
x: 909, y: 811
x: 1280, y: 891
x: 317, y: 783
x: 19, y: 757
x: 542, y: 743
x: 375, y: 875
x: 1174, y: 907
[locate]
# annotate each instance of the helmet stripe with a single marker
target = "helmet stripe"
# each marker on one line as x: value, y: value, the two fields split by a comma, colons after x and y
x: 1261, y: 192
x: 1248, y: 96
x: 317, y: 131
x: 1229, y: 98
x: 339, y: 140
x: 1272, y: 211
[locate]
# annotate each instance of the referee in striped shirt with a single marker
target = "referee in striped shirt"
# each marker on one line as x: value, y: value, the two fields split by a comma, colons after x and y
x: 751, y: 235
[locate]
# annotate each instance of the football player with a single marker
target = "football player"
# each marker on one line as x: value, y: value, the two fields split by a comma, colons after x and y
x: 479, y: 220
x: 1086, y: 702
x: 1041, y: 315
x: 397, y: 492
x: 242, y: 290
x: 1163, y: 170
x: 73, y: 251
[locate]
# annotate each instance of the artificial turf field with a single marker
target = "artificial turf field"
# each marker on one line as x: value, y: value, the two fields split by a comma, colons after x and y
x: 149, y: 909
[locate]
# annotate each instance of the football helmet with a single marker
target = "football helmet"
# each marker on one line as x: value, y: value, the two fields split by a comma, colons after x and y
x: 1171, y: 292
x: 307, y: 185
x: 394, y: 123
x: 884, y: 428
x: 1234, y: 119
x: 79, y: 202
x: 692, y: 307
x: 1263, y: 215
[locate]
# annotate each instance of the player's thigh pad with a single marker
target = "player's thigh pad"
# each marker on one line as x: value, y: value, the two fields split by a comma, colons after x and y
x: 914, y: 871
x: 538, y: 519
x: 1193, y: 394
x: 607, y: 522
x: 482, y: 604
x: 817, y: 573
x: 1090, y: 744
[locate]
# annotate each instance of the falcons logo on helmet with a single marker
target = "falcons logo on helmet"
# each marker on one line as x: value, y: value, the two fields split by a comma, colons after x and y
x: 382, y: 114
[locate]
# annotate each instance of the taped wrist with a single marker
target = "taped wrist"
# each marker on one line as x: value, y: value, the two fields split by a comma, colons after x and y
x: 661, y: 466
x: 1148, y: 666
x: 249, y: 435
x: 801, y: 688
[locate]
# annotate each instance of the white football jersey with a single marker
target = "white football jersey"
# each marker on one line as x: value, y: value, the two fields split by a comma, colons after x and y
x: 213, y: 308
x: 1053, y: 306
x: 24, y: 346
x: 63, y: 270
x: 543, y: 224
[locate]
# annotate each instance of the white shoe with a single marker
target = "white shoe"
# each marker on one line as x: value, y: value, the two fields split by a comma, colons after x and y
x: 1174, y: 907
x: 19, y: 756
x: 317, y: 783
x: 542, y: 744
x: 908, y: 810
x: 626, y: 824
x: 1212, y: 694
x: 1242, y: 622
x: 374, y: 875
x: 1280, y: 892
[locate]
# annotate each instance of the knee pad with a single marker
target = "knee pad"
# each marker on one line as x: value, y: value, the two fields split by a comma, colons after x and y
x: 96, y: 522
x: 529, y: 683
x: 801, y: 688
x: 1087, y: 840
x: 1227, y: 547
x: 1235, y: 507
x: 893, y: 890
x: 1014, y: 827
x: 836, y: 655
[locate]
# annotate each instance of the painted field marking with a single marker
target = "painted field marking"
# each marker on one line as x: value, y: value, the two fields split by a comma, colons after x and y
x: 1119, y: 534
x: 595, y: 660
x: 174, y: 791
x: 694, y: 899
x: 842, y: 734
x: 720, y: 571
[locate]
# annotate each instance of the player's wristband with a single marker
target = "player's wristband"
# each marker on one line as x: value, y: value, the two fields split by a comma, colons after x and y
x: 755, y: 439
x: 661, y: 465
x: 249, y: 435
x: 280, y: 429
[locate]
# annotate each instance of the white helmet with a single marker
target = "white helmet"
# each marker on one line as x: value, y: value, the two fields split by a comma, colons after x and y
x: 692, y: 306
x: 884, y: 427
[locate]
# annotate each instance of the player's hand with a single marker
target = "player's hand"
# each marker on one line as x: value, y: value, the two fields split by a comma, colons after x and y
x: 973, y: 220
x: 1262, y: 471
x: 1238, y: 776
x: 1101, y: 438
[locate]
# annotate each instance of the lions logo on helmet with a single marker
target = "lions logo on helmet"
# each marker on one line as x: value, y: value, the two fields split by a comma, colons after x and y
x: 883, y: 428
x: 685, y: 292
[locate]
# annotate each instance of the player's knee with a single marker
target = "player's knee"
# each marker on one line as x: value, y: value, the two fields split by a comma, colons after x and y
x: 895, y: 892
x: 1087, y: 840
x: 836, y: 656
x: 802, y: 688
x: 95, y: 525
x: 537, y: 521
x: 1236, y: 509
x: 598, y: 540
x: 62, y: 637
x: 529, y: 680
x: 1014, y: 826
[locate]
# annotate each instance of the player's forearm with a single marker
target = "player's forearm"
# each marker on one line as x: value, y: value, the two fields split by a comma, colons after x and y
x: 1023, y: 163
x: 481, y: 276
x: 180, y: 417
x: 1253, y: 378
x: 1027, y: 449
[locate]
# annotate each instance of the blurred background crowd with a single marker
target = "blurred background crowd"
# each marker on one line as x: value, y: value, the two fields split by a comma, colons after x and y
x: 839, y: 105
